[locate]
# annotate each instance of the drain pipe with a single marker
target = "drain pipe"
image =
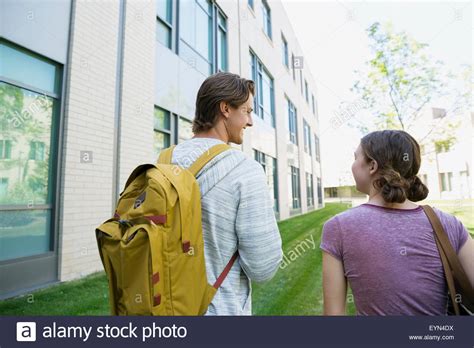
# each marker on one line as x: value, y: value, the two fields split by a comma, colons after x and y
x: 118, y: 106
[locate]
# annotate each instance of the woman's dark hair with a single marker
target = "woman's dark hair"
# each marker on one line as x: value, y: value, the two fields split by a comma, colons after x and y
x: 223, y: 86
x: 398, y: 157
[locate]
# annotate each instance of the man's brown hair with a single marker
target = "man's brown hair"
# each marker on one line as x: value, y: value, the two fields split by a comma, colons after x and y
x: 223, y: 86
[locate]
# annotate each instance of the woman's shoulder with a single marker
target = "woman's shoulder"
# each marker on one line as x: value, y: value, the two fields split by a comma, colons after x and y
x: 347, y: 216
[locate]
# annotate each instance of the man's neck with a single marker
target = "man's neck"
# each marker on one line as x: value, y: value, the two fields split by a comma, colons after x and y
x: 212, y: 133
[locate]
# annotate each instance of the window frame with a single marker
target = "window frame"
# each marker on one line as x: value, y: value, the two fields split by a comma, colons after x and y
x: 307, y: 138
x: 309, y: 190
x: 293, y: 66
x: 5, y: 149
x: 257, y: 70
x: 285, y: 52
x: 51, y: 205
x: 292, y: 116
x: 213, y: 37
x: 306, y: 91
x: 317, y: 148
x: 295, y: 188
x: 267, y: 18
x: 262, y: 158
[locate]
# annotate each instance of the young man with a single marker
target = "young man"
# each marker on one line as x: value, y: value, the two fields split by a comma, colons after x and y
x: 237, y: 210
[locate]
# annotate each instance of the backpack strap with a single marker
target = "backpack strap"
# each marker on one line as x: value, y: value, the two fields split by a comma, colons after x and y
x: 226, y: 270
x: 207, y: 156
x: 166, y: 155
x: 451, y: 264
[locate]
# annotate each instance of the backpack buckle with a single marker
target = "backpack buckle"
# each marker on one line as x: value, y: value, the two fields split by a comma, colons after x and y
x: 125, y: 223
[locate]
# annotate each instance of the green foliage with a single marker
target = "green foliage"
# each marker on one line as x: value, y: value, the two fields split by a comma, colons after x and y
x: 401, y: 80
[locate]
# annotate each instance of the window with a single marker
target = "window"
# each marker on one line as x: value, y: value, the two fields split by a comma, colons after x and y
x: 446, y: 181
x: 424, y: 179
x: 37, y: 150
x: 317, y: 153
x: 269, y: 165
x: 251, y: 4
x: 162, y: 127
x: 170, y: 129
x: 267, y: 19
x: 307, y: 138
x: 320, y: 192
x: 3, y: 187
x: 292, y: 123
x: 284, y: 49
x: 264, y: 100
x: 301, y: 81
x: 293, y: 66
x: 314, y: 104
x: 295, y: 187
x: 309, y: 190
x: 185, y: 130
x: 28, y: 116
x: 164, y: 26
x: 221, y: 55
x: 5, y: 149
x: 196, y: 34
x: 203, y: 36
x: 306, y: 92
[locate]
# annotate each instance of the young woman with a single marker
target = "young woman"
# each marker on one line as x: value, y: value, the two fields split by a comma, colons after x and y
x: 385, y: 248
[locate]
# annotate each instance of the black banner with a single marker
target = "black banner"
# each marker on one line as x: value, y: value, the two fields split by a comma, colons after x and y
x: 327, y: 332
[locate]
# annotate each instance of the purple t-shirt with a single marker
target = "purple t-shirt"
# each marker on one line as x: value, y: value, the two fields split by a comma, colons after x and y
x: 390, y: 258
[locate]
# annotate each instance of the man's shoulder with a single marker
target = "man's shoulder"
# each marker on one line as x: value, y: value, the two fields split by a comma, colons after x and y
x: 247, y: 165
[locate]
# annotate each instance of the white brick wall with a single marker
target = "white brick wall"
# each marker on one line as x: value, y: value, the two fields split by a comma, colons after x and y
x: 87, y: 188
x: 138, y: 87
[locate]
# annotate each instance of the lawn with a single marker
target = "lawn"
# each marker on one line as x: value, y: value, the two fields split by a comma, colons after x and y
x: 295, y: 290
x: 462, y: 209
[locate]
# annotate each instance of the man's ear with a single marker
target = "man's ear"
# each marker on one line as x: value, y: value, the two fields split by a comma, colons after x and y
x: 224, y: 108
x: 373, y: 167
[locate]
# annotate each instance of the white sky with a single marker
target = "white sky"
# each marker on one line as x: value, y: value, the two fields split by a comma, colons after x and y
x: 333, y: 38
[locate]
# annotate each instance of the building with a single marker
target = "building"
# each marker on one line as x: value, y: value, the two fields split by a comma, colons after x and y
x: 91, y: 89
x: 447, y: 171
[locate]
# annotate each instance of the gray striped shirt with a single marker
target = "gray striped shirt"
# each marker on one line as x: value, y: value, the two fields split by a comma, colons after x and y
x: 237, y: 212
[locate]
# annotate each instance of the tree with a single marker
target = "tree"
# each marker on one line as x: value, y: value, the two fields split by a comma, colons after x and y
x: 401, y: 81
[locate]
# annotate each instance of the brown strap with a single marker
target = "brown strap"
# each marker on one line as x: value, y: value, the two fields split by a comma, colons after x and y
x: 226, y: 270
x: 451, y: 264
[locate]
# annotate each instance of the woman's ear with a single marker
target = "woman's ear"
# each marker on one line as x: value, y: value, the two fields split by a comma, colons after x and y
x: 373, y: 167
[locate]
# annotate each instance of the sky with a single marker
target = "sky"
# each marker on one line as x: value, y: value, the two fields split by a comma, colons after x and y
x: 335, y: 44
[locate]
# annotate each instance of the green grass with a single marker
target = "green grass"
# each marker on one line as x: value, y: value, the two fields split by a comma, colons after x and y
x: 462, y: 209
x: 295, y: 290
x: 87, y: 296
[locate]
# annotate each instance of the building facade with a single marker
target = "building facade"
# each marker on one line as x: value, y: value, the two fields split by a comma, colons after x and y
x: 90, y: 89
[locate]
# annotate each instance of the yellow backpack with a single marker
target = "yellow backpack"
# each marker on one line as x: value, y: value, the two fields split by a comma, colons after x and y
x: 152, y: 249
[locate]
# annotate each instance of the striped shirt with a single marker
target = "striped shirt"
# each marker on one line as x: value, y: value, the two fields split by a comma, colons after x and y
x: 237, y: 213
